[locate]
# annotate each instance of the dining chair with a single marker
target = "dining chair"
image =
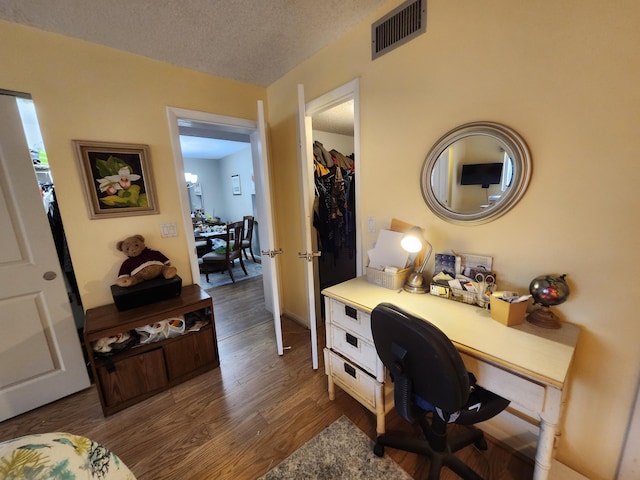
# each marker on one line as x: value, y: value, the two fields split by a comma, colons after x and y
x: 248, y: 220
x: 226, y: 256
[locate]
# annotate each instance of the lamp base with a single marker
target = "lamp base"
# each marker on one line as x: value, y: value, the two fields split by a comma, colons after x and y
x: 414, y: 289
x: 545, y: 318
x: 416, y: 283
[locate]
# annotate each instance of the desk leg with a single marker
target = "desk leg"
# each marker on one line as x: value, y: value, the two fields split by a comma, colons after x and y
x: 544, y: 453
x: 549, y: 421
x: 332, y: 388
x: 380, y: 416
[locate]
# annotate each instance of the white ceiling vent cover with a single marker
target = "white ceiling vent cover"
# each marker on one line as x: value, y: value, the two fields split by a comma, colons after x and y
x: 398, y: 27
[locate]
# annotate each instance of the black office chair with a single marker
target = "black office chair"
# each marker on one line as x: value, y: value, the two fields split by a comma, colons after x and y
x: 430, y: 381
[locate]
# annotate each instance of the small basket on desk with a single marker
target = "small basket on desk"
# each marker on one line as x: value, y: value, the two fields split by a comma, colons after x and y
x: 393, y: 281
x: 464, y: 296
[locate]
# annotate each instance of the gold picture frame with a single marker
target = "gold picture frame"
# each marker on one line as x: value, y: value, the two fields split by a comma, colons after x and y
x: 117, y: 179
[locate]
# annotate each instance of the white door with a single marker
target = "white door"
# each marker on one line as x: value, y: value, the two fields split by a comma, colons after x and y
x: 256, y: 131
x: 40, y: 354
x: 308, y: 255
x: 268, y: 249
x: 306, y: 111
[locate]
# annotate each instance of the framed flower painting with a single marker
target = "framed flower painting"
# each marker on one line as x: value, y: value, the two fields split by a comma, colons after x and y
x: 117, y: 179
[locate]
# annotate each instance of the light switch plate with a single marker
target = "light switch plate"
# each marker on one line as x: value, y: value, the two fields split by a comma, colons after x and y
x: 168, y: 230
x: 371, y: 224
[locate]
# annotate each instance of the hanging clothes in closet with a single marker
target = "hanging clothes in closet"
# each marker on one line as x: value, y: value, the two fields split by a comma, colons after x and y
x: 334, y: 214
x: 60, y: 240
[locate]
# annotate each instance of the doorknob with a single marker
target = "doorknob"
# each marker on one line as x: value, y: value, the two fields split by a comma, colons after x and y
x: 271, y: 253
x: 49, y: 275
x: 309, y: 256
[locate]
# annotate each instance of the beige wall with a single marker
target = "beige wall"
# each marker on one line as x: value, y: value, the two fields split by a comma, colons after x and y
x: 563, y: 74
x: 83, y: 91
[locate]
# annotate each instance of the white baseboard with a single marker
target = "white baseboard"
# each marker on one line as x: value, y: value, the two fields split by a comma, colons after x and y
x: 303, y: 322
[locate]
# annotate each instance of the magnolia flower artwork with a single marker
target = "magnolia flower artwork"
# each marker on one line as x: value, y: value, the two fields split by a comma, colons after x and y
x: 119, y: 188
x: 118, y: 179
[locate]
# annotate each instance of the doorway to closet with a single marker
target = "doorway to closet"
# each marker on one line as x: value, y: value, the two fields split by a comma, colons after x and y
x: 40, y: 347
x: 40, y: 162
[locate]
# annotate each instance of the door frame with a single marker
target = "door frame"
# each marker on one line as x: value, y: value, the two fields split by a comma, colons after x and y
x: 344, y: 93
x: 258, y: 152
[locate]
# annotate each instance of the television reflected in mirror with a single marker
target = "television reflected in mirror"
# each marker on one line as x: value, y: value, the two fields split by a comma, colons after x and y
x: 483, y: 174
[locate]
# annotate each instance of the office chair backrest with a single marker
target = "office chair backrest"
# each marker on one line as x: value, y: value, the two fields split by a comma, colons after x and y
x: 416, y: 351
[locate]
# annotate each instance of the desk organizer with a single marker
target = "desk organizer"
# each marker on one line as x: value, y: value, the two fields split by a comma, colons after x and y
x: 456, y: 294
x: 508, y: 313
x: 393, y: 281
x: 464, y: 296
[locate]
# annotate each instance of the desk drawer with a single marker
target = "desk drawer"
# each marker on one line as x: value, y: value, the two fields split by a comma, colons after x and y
x: 355, y: 348
x: 526, y: 396
x: 351, y: 319
x: 352, y: 380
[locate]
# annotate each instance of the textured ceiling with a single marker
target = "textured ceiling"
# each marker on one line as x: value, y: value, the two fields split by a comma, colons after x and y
x: 252, y: 41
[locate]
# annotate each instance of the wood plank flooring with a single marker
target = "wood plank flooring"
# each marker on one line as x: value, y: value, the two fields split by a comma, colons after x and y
x: 239, y: 305
x: 237, y: 421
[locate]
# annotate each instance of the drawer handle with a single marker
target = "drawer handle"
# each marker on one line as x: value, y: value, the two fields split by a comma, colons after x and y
x: 350, y: 312
x: 350, y: 370
x: 351, y: 340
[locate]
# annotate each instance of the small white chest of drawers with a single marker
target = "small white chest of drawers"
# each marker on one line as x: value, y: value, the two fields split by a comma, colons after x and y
x: 351, y: 361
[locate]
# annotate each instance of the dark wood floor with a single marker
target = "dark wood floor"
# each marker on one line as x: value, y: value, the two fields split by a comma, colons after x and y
x: 237, y: 421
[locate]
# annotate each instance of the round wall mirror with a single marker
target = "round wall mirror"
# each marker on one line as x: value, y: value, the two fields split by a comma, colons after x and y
x: 475, y: 173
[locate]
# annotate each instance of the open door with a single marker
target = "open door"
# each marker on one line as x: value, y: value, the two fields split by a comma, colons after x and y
x: 268, y: 251
x: 306, y: 200
x: 307, y: 114
x: 256, y: 133
x: 40, y: 355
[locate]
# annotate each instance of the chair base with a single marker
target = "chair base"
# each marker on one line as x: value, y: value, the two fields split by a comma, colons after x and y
x: 439, y: 459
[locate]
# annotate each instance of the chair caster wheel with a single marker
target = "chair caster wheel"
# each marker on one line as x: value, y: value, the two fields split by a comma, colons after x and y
x: 378, y: 450
x: 481, y: 444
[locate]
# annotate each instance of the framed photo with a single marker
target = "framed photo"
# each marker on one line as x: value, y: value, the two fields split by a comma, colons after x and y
x: 117, y: 179
x: 235, y: 185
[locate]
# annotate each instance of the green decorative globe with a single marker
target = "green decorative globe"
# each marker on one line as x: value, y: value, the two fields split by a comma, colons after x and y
x: 549, y: 290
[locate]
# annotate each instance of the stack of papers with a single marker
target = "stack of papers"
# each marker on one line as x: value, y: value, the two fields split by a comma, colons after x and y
x: 388, y: 252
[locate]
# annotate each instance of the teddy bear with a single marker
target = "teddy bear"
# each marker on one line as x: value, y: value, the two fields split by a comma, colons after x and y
x: 142, y: 264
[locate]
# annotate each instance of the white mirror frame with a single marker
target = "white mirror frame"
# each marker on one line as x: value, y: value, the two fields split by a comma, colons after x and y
x: 511, y: 142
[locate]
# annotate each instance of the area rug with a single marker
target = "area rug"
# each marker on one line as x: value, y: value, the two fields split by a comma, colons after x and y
x: 218, y: 278
x: 340, y: 451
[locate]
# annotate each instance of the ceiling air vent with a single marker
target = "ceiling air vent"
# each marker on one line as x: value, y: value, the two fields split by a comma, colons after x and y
x: 398, y: 27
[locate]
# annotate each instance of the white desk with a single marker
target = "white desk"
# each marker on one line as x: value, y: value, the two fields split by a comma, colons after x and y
x: 524, y: 363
